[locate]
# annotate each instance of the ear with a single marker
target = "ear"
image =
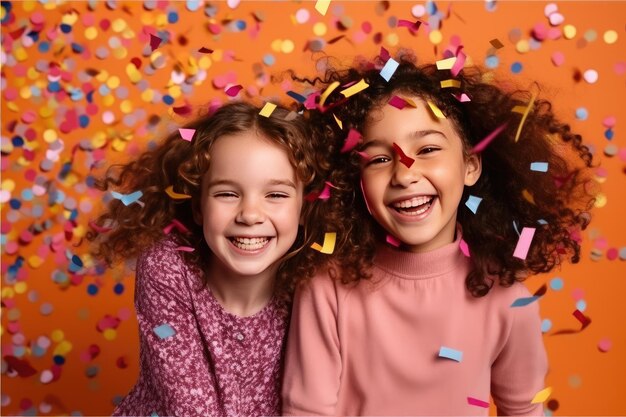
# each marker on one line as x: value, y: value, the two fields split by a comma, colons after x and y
x: 473, y: 169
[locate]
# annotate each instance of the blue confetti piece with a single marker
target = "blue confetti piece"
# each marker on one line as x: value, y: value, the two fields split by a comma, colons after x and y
x: 546, y: 325
x: 390, y: 67
x: 127, y: 199
x: 539, y: 166
x: 164, y: 331
x: 524, y: 301
x: 449, y: 353
x: 542, y: 221
x: 473, y: 202
x: 299, y: 98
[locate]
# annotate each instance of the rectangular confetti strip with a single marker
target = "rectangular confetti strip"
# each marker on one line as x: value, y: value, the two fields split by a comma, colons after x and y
x: 539, y: 166
x: 392, y: 240
x: 523, y: 244
x: 477, y: 402
x: 464, y: 248
x: 400, y: 103
x: 524, y: 301
x: 446, y: 64
x: 338, y: 121
x: 473, y: 202
x: 436, y: 110
x: 356, y: 88
x: 268, y: 109
x: 450, y: 83
x: 480, y: 146
x: 164, y: 331
x: 458, y: 64
x: 329, y: 244
x: 390, y: 67
x: 496, y: 43
x: 322, y: 6
x: 542, y: 395
x: 327, y: 92
x: 449, y: 353
x: 524, y: 116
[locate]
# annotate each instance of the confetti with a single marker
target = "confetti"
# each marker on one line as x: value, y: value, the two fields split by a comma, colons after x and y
x: 164, y: 331
x: 449, y: 353
x: 325, y: 194
x: 174, y: 195
x: 184, y: 249
x: 473, y: 202
x: 127, y: 199
x: 477, y: 402
x: 539, y: 166
x: 525, y: 115
x: 436, y: 111
x: 339, y: 122
x: 400, y: 103
x: 187, y: 134
x: 446, y: 64
x: 353, y: 138
x: 233, y: 90
x: 392, y: 240
x: 327, y: 92
x: 155, y: 41
x: 406, y: 160
x: 322, y: 6
x: 458, y: 64
x: 464, y: 248
x: 450, y: 83
x: 356, y: 88
x: 267, y: 109
x: 480, y: 146
x: 523, y: 244
x: 390, y: 67
x: 329, y: 244
x: 496, y: 43
x: 542, y: 395
x: 524, y: 301
x: 175, y: 224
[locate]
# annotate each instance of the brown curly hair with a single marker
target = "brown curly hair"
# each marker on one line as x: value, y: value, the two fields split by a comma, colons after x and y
x: 181, y: 164
x: 555, y: 203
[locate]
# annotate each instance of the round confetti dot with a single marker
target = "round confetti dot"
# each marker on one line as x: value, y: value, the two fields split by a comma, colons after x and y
x: 620, y: 68
x: 118, y: 288
x: 556, y: 284
x: 558, y: 59
x: 492, y: 61
x: 569, y: 31
x: 287, y: 46
x: 319, y: 29
x: 435, y: 37
x: 418, y: 10
x: 57, y: 335
x: 591, y: 76
x: 590, y: 35
x: 269, y: 60
x: 556, y: 19
x: 604, y: 345
x: 392, y: 39
x: 611, y: 150
x: 612, y: 254
x: 92, y: 289
x: 302, y: 16
x: 600, y: 200
x: 581, y: 305
x: 582, y: 113
x: 575, y: 381
x: 546, y: 325
x: 516, y: 68
x: 46, y: 309
x: 46, y: 376
x: 522, y: 46
x: 610, y: 37
x: 622, y: 253
x: 109, y: 334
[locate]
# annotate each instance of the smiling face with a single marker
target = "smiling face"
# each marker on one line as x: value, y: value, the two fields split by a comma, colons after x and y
x: 416, y: 204
x: 250, y: 205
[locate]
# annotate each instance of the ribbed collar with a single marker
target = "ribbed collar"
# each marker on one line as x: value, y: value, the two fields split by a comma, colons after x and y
x: 423, y: 265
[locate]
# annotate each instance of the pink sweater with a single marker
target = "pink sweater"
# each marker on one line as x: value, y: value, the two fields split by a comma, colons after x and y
x: 374, y: 348
x: 197, y: 359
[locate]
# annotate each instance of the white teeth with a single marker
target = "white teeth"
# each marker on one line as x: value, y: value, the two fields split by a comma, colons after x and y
x: 250, y: 243
x: 414, y: 202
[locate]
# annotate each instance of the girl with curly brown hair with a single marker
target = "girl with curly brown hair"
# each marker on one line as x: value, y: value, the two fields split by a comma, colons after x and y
x: 458, y: 189
x: 213, y: 216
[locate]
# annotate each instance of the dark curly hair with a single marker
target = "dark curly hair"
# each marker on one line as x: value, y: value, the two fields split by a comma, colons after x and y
x: 555, y: 203
x: 182, y: 164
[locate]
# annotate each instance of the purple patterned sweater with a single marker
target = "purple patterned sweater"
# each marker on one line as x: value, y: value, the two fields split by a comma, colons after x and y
x: 196, y: 358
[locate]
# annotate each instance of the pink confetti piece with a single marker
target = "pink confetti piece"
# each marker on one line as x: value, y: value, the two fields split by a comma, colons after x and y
x: 187, y: 134
x: 233, y: 90
x: 399, y: 103
x: 609, y: 121
x: 480, y: 146
x: 384, y: 54
x: 412, y: 26
x: 523, y: 243
x: 325, y: 194
x: 177, y: 225
x: 558, y: 58
x: 185, y: 249
x: 354, y: 136
x: 458, y: 64
x: 406, y: 160
x: 463, y: 98
x: 464, y: 248
x: 477, y: 402
x: 392, y: 240
x: 155, y: 41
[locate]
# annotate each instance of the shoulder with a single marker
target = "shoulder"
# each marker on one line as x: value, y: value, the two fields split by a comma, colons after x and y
x: 163, y: 263
x: 515, y: 306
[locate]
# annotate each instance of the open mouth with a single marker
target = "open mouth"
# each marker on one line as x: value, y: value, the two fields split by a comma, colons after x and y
x: 249, y: 243
x: 414, y: 206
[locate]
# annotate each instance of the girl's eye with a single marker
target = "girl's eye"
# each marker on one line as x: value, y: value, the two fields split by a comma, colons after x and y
x: 427, y: 150
x: 225, y: 194
x: 277, y: 195
x: 378, y: 160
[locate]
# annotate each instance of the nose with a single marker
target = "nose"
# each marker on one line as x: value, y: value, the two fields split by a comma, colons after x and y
x: 250, y: 213
x: 404, y: 176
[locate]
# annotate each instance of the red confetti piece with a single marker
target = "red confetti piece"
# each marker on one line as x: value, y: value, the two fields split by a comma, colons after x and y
x: 234, y: 90
x: 399, y: 102
x: 204, y: 50
x: 99, y: 229
x: 182, y: 110
x: 185, y: 249
x: 351, y: 141
x: 155, y: 41
x: 22, y: 367
x: 136, y: 61
x: 384, y: 54
x: 584, y: 320
x: 412, y: 26
x: 406, y: 160
x: 487, y: 140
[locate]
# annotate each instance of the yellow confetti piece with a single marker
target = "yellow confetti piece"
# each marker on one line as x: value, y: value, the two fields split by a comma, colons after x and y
x: 57, y: 335
x: 528, y: 196
x: 118, y: 145
x: 63, y: 348
x: 8, y: 185
x: 319, y: 29
x: 35, y: 261
x: 450, y: 83
x: 569, y: 31
x: 268, y: 109
x: 542, y: 395
x: 91, y: 33
x: 110, y: 334
x: 126, y: 106
x: 436, y: 110
x: 522, y: 46
x: 276, y: 45
x: 20, y: 287
x: 435, y: 37
x: 358, y: 87
x: 525, y: 115
x: 287, y: 46
x: 446, y: 64
x: 610, y: 37
x: 176, y: 196
x: 322, y: 6
x: 600, y: 200
x: 392, y: 39
x: 329, y: 243
x: 327, y: 92
x: 519, y: 109
x: 113, y: 82
x: 8, y: 292
x: 339, y: 122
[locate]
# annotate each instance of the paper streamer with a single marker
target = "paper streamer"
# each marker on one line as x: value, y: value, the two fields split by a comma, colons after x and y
x: 356, y: 88
x: 480, y: 146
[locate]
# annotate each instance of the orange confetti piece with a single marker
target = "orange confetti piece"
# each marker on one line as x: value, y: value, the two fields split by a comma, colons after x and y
x: 329, y: 244
x: 174, y: 195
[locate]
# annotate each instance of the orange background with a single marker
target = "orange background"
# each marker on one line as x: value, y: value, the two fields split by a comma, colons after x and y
x: 48, y: 313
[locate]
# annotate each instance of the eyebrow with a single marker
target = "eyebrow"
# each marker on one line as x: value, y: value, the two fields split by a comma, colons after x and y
x: 284, y: 182
x: 418, y: 134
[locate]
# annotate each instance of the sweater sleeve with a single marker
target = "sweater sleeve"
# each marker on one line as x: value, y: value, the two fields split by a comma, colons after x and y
x: 313, y: 360
x: 174, y: 364
x: 519, y: 371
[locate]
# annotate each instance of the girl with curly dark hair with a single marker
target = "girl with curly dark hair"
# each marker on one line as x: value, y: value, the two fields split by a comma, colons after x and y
x: 458, y: 189
x: 213, y: 216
